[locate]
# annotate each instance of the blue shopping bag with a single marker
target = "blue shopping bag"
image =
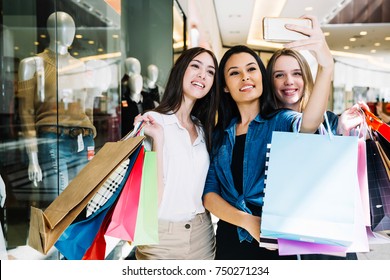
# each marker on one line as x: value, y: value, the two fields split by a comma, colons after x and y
x: 311, y: 188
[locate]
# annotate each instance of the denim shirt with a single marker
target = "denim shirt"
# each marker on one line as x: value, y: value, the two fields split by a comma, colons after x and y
x: 220, y: 179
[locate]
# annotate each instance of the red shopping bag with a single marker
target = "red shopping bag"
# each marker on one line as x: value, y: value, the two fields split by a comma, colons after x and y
x: 377, y: 124
x: 124, y: 216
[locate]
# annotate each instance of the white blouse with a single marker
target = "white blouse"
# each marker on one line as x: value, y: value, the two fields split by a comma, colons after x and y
x: 185, y: 167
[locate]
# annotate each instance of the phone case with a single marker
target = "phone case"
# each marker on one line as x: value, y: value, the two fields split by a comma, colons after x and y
x: 274, y: 29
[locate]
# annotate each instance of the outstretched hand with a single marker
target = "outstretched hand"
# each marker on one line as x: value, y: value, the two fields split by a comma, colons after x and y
x: 350, y: 119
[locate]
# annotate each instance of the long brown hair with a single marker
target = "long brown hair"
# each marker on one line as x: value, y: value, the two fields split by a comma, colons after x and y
x: 205, y: 108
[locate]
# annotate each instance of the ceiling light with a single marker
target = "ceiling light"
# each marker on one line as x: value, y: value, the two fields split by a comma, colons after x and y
x: 326, y: 33
x: 377, y: 44
x: 346, y: 47
x: 79, y: 36
x: 308, y: 9
x: 91, y: 42
x: 373, y: 51
x: 353, y: 39
x: 363, y: 33
x: 387, y: 38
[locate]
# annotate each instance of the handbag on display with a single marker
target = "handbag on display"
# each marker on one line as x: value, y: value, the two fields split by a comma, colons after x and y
x: 48, y: 225
x: 312, y: 191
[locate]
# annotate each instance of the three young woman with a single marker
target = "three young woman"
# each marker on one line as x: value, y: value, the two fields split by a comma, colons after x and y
x: 181, y: 130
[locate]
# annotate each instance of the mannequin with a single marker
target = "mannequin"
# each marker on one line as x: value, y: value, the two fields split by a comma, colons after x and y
x: 133, y: 66
x: 152, y: 90
x: 57, y: 110
x: 132, y: 101
x: 131, y: 106
x: 152, y: 76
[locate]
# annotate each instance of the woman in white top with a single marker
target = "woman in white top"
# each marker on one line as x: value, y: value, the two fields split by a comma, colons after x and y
x: 179, y: 130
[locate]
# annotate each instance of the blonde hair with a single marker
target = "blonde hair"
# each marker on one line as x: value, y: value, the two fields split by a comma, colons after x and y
x: 306, y: 75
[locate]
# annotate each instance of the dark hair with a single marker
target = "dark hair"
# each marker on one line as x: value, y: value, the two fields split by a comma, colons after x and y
x: 205, y: 108
x: 227, y: 107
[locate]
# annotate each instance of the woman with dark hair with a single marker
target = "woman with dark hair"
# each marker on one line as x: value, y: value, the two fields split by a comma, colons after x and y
x: 247, y: 116
x: 179, y: 130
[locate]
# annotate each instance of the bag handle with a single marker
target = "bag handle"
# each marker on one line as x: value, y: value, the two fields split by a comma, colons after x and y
x: 376, y: 124
x: 373, y: 121
x: 327, y: 124
x: 136, y: 131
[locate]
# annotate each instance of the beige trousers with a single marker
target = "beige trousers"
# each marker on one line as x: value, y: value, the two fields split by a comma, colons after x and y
x: 192, y: 240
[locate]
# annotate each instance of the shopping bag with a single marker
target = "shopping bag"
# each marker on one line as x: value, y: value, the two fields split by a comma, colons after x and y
x: 47, y: 226
x: 146, y: 229
x: 108, y: 189
x: 385, y: 159
x: 363, y: 180
x: 311, y: 188
x: 78, y: 237
x: 294, y: 247
x: 97, y: 250
x: 379, y: 188
x: 360, y: 243
x: 124, y: 216
x: 376, y: 124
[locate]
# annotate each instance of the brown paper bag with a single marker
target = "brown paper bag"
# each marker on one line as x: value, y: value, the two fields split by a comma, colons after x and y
x: 47, y: 226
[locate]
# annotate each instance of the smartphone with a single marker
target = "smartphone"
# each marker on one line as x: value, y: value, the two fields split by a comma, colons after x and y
x: 274, y: 29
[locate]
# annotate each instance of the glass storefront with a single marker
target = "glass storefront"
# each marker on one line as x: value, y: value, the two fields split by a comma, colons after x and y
x: 62, y: 83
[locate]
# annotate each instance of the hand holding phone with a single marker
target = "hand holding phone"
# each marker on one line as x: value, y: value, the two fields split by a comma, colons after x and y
x: 274, y: 29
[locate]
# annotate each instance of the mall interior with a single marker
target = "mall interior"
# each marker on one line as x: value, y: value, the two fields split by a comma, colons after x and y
x: 114, y: 51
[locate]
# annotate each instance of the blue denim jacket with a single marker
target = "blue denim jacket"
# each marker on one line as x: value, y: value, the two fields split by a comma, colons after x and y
x: 220, y: 179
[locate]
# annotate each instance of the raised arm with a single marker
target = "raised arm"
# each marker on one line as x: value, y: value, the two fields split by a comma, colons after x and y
x: 313, y: 114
